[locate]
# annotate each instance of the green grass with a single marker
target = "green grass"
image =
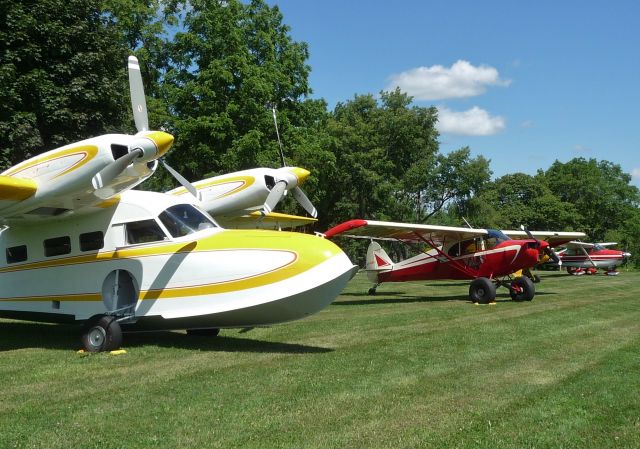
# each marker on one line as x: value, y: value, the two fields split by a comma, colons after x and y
x: 416, y: 366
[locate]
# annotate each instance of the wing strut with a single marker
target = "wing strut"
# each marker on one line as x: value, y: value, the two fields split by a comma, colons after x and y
x: 455, y: 263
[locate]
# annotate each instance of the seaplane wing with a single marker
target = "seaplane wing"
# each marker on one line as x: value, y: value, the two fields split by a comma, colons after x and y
x: 406, y: 232
x: 86, y: 173
x: 553, y: 238
x: 261, y: 220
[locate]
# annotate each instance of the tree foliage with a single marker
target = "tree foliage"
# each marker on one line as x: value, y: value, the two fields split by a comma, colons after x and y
x: 212, y: 71
x: 59, y: 77
x: 231, y: 61
x: 521, y: 199
x: 599, y: 190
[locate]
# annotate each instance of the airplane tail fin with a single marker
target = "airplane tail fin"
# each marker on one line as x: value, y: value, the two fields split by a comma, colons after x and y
x: 377, y: 261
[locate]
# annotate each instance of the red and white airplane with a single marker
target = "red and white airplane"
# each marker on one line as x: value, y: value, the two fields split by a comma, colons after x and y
x: 486, y: 256
x: 585, y: 258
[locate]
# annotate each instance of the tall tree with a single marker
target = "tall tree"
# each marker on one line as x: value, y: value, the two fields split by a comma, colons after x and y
x: 62, y: 76
x: 521, y: 199
x: 229, y: 63
x: 381, y: 147
x: 455, y: 179
x: 599, y: 190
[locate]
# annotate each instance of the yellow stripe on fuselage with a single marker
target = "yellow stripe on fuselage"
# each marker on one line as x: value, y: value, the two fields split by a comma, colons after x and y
x: 227, y: 240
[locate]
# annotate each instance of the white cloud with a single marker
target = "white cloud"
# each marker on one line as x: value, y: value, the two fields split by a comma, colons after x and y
x: 635, y: 174
x: 473, y: 122
x: 582, y: 149
x: 437, y: 82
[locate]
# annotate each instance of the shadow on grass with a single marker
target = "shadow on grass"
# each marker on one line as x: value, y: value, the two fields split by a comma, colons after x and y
x: 403, y: 299
x: 224, y: 343
x: 24, y: 335
x: 380, y: 300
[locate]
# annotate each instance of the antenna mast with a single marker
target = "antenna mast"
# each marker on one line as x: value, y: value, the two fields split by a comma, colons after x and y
x: 275, y: 122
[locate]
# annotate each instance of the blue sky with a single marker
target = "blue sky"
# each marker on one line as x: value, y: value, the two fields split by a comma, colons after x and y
x: 521, y: 83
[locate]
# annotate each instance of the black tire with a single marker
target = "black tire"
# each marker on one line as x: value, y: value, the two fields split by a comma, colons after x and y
x: 535, y: 279
x: 522, y: 289
x: 482, y: 291
x: 372, y: 291
x: 101, y: 333
x: 207, y: 332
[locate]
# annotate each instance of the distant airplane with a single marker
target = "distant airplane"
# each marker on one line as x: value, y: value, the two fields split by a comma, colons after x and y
x: 586, y: 258
x: 486, y: 256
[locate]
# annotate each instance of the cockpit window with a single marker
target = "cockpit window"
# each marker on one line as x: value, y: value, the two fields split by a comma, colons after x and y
x: 144, y: 231
x: 184, y: 219
x: 494, y: 238
x: 498, y: 235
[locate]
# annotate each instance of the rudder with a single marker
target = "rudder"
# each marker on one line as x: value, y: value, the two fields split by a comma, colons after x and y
x: 377, y: 261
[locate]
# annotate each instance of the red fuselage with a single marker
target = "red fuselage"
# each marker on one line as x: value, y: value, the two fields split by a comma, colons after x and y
x: 503, y: 259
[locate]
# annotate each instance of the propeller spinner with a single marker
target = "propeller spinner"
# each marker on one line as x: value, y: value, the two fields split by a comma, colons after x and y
x: 289, y: 179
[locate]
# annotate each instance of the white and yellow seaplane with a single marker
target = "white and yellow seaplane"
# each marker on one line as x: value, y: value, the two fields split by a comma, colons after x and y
x: 81, y: 246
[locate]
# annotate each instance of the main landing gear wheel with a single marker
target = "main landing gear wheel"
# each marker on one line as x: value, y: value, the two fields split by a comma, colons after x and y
x: 101, y: 333
x: 522, y: 289
x: 482, y: 291
x: 208, y: 332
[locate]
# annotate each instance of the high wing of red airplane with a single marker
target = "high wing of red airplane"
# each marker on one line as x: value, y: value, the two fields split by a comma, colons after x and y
x: 488, y: 257
x: 553, y: 238
x: 585, y: 258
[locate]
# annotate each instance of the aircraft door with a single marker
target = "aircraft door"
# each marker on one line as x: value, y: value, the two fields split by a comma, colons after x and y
x: 120, y: 292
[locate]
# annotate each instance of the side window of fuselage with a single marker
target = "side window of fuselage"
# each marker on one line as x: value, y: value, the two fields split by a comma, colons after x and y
x: 144, y: 231
x: 91, y: 241
x: 490, y: 243
x: 16, y: 254
x: 465, y: 247
x: 57, y: 246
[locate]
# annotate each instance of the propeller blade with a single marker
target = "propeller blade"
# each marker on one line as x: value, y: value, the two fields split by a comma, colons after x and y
x: 275, y: 196
x: 552, y: 255
x: 113, y: 170
x: 300, y: 196
x: 529, y: 233
x: 138, y: 101
x: 182, y: 180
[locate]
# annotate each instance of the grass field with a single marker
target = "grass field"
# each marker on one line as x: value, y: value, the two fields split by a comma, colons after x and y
x: 416, y: 366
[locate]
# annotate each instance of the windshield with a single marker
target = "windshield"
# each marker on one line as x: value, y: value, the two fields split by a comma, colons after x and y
x: 184, y: 219
x: 499, y: 236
